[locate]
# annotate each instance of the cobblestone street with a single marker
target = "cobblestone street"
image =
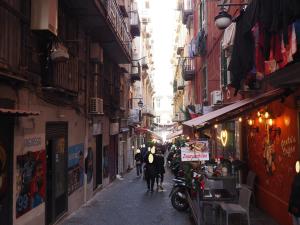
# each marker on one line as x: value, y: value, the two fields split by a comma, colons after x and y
x: 126, y: 202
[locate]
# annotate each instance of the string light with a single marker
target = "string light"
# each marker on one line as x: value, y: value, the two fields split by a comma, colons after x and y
x: 270, y: 122
x: 250, y: 122
x: 267, y: 115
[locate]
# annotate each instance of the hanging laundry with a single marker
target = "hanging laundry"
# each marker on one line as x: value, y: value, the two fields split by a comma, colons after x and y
x: 228, y: 36
x: 201, y: 43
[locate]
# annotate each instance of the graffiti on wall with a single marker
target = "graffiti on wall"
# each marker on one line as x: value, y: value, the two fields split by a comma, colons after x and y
x: 75, y: 167
x: 31, y: 181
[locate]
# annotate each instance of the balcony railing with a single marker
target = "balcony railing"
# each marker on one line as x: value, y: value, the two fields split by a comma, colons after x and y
x: 187, y: 10
x: 134, y: 116
x: 148, y: 111
x: 135, y: 27
x: 116, y: 19
x: 188, y: 70
x: 179, y: 117
x: 135, y: 71
x: 64, y: 75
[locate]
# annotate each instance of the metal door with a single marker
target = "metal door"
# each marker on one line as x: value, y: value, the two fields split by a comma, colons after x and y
x: 99, y: 158
x: 57, y: 195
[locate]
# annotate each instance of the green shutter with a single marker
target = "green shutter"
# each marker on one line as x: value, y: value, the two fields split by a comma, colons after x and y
x: 223, y: 68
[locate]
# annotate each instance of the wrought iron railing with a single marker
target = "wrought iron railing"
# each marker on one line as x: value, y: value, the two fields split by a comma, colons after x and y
x: 65, y: 75
x: 116, y: 19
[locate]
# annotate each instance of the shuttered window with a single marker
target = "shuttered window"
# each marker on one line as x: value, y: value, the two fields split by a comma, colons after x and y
x: 10, y: 38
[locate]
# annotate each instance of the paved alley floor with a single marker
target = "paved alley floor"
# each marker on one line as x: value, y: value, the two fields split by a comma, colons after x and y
x: 127, y: 202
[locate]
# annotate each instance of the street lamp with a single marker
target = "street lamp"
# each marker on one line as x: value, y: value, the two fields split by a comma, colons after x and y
x: 140, y: 103
x: 223, y: 19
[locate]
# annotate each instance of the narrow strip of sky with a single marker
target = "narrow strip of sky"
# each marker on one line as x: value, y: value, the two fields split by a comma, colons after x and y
x: 163, y: 17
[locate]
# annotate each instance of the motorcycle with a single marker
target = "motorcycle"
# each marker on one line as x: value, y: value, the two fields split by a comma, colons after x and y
x: 178, y: 194
x: 181, y: 189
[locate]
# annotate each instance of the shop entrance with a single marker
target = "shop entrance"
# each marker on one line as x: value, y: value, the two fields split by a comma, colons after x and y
x: 99, y: 158
x: 6, y: 169
x: 56, y: 147
x: 113, y: 156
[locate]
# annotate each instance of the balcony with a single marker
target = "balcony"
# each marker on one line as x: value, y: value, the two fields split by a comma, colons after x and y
x: 135, y: 27
x: 64, y: 77
x: 179, y: 117
x: 188, y: 69
x: 134, y: 116
x: 122, y: 7
x: 148, y: 111
x: 135, y: 71
x: 145, y: 64
x: 106, y: 21
x: 187, y: 10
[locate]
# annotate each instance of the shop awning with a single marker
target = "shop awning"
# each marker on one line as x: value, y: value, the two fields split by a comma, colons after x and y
x: 146, y: 130
x: 236, y: 109
x: 174, y: 134
x: 18, y: 112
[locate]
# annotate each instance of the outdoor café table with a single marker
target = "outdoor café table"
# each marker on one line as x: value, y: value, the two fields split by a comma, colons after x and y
x: 213, y: 197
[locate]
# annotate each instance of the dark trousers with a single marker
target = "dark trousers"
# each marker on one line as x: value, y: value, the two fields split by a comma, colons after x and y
x: 161, y: 176
x: 138, y: 169
x: 150, y: 182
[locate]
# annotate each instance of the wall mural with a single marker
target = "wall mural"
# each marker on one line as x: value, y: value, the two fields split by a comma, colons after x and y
x: 75, y: 167
x: 31, y: 181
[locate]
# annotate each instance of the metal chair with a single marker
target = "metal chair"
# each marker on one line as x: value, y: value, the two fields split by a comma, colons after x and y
x: 250, y: 183
x: 241, y: 208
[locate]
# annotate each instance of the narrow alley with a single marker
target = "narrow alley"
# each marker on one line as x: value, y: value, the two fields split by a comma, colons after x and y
x: 128, y: 202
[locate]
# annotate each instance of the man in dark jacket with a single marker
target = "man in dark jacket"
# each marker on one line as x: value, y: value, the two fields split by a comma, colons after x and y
x: 138, y: 162
x: 294, y: 203
x: 150, y: 172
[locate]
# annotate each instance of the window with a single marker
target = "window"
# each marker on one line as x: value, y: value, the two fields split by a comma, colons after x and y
x: 225, y: 74
x: 204, y: 84
x: 147, y: 5
x: 202, y: 14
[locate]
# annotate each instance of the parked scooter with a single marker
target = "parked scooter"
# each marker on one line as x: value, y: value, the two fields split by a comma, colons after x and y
x: 178, y: 194
x: 181, y: 189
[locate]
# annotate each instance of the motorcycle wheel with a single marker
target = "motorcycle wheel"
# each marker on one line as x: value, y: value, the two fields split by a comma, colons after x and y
x: 178, y: 202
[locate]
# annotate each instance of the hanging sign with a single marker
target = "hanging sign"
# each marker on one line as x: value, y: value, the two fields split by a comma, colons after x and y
x: 197, y: 151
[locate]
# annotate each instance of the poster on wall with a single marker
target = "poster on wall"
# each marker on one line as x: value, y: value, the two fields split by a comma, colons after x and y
x: 31, y: 174
x: 75, y: 167
x: 195, y: 151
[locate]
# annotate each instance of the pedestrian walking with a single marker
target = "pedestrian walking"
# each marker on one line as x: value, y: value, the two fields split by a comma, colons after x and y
x: 160, y: 169
x: 294, y: 202
x: 138, y: 162
x: 150, y: 170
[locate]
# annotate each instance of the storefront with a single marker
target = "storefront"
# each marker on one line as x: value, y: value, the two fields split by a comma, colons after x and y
x: 263, y: 131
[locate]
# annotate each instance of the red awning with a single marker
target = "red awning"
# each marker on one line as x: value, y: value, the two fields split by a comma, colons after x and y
x: 145, y: 130
x: 236, y: 109
x: 18, y: 112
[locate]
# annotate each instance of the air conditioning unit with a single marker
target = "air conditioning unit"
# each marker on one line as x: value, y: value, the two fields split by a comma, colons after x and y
x: 96, y: 106
x: 44, y: 15
x: 216, y: 97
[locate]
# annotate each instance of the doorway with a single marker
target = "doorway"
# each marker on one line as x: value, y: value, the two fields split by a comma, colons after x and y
x: 57, y: 193
x: 99, y: 162
x: 6, y: 168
